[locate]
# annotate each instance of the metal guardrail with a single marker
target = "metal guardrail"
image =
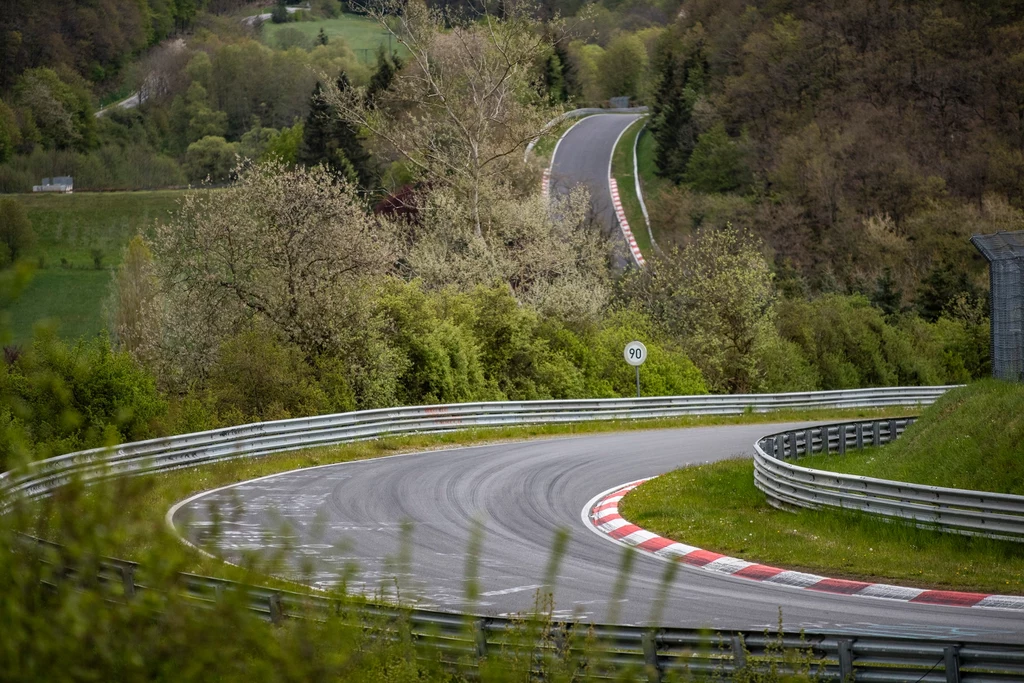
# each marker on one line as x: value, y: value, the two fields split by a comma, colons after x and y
x: 264, y: 438
x: 994, y: 515
x: 658, y: 651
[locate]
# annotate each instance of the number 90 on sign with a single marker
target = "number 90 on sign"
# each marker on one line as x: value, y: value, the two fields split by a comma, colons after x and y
x: 635, y: 353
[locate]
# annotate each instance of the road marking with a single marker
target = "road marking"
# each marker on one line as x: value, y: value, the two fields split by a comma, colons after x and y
x: 509, y: 591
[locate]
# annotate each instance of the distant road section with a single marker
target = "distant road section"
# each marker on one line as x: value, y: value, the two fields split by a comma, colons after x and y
x: 583, y: 157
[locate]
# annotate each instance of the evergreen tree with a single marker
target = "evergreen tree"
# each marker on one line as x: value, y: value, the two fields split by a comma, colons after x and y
x: 279, y: 15
x: 382, y: 77
x: 887, y: 295
x: 570, y: 79
x: 554, y: 83
x: 328, y: 139
x: 321, y: 38
x: 680, y: 84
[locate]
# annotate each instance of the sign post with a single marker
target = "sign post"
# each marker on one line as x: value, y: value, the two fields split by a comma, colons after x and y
x: 635, y: 354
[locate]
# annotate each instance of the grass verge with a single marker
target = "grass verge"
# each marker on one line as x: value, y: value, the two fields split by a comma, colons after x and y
x: 971, y: 438
x: 717, y: 507
x: 622, y: 170
x: 142, y: 502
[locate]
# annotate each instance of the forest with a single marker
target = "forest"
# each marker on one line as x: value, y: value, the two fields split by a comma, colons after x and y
x: 352, y: 241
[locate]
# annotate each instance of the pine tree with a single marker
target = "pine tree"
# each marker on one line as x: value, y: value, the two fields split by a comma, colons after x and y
x: 679, y: 86
x: 350, y: 146
x: 570, y: 79
x: 554, y: 83
x: 321, y: 38
x: 329, y: 140
x: 382, y: 77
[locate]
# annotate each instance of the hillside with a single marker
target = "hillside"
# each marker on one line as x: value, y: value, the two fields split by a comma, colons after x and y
x: 972, y: 438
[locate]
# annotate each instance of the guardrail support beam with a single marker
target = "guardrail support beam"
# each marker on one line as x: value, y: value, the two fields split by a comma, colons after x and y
x: 846, y: 661
x: 739, y: 654
x: 650, y: 645
x: 480, y: 637
x: 276, y: 613
x: 951, y: 654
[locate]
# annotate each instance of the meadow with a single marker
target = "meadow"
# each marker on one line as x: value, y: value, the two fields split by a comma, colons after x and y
x: 364, y: 35
x: 79, y: 239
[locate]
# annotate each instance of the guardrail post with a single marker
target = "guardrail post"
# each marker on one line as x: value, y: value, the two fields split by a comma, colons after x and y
x: 276, y: 613
x: 876, y: 436
x: 128, y: 580
x: 791, y: 437
x: 845, y: 660
x: 650, y: 644
x: 842, y: 439
x: 826, y: 435
x: 951, y: 654
x: 739, y: 654
x: 480, y: 637
x: 859, y: 432
x: 893, y: 431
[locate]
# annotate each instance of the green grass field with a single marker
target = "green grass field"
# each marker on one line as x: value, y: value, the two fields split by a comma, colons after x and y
x: 971, y: 438
x: 68, y: 290
x: 622, y: 169
x: 362, y: 34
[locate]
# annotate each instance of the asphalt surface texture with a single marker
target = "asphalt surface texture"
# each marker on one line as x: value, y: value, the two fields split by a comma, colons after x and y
x: 582, y: 158
x: 353, y: 520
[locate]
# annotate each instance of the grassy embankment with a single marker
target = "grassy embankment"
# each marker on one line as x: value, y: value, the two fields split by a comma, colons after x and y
x: 143, y: 502
x: 72, y: 231
x: 362, y: 34
x: 970, y: 439
x: 622, y: 171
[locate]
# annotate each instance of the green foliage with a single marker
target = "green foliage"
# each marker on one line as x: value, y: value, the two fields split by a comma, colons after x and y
x: 211, y: 158
x: 255, y: 377
x: 849, y: 343
x: 284, y: 147
x: 61, y: 114
x: 280, y: 15
x: 681, y: 76
x: 717, y: 163
x: 716, y: 297
x: 16, y: 234
x: 10, y: 134
x: 382, y: 78
x: 840, y: 136
x: 328, y: 139
x: 60, y: 397
x: 623, y: 67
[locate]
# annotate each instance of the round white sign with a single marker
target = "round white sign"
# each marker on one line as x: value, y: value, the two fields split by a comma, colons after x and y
x: 635, y: 353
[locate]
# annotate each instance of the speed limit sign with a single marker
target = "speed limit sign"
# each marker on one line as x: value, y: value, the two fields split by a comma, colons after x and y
x: 635, y: 353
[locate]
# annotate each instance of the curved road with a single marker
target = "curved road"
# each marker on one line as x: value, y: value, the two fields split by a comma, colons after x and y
x: 582, y: 157
x: 322, y: 520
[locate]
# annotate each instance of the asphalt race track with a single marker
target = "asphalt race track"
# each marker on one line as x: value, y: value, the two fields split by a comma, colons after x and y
x: 322, y: 520
x: 582, y: 158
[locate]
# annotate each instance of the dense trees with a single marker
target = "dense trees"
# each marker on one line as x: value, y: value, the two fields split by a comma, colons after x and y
x: 831, y: 131
x: 94, y: 39
x: 463, y: 107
